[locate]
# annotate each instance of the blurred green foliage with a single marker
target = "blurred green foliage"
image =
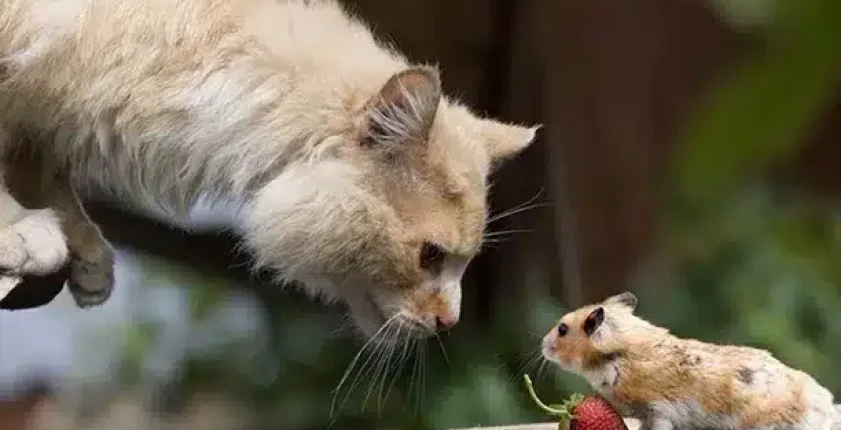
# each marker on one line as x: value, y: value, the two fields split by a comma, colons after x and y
x: 748, y: 263
x: 760, y: 111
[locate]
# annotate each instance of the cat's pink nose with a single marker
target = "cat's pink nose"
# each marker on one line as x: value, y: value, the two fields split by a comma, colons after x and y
x: 445, y: 322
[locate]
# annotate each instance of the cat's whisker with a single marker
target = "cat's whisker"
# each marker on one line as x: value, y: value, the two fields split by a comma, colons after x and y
x: 512, y: 212
x: 372, y: 341
x: 492, y: 234
x: 387, y: 358
x: 366, y: 373
x: 422, y: 384
x: 401, y: 362
x: 493, y: 241
x: 414, y: 355
x: 380, y: 363
x: 527, y: 205
x: 443, y: 350
x: 500, y: 236
x: 345, y: 324
x: 400, y: 341
x: 414, y: 381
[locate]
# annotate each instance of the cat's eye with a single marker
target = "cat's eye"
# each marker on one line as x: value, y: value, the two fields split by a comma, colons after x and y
x: 562, y: 329
x: 431, y: 256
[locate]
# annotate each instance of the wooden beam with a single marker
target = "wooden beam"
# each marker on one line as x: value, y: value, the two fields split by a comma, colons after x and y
x: 632, y: 424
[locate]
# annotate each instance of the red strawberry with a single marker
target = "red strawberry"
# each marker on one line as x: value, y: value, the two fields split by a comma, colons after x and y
x: 595, y: 413
x: 582, y: 413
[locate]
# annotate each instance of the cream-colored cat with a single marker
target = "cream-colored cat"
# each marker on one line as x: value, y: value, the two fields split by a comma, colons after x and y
x: 356, y: 176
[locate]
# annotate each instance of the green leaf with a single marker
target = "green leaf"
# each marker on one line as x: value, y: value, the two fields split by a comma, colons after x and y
x: 761, y: 112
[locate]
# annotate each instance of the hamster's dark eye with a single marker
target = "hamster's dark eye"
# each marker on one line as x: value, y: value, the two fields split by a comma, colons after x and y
x: 431, y: 256
x: 562, y: 329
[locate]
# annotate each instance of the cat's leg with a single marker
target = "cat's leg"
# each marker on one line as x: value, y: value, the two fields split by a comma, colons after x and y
x: 38, y: 183
x: 31, y: 240
x: 9, y: 211
x: 91, y: 256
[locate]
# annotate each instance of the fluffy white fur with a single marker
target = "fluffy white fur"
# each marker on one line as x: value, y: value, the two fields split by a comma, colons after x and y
x: 346, y: 158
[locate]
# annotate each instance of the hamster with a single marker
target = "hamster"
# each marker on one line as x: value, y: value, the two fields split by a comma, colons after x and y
x: 671, y: 383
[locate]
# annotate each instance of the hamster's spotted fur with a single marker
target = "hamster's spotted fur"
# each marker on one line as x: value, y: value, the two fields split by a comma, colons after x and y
x: 673, y: 383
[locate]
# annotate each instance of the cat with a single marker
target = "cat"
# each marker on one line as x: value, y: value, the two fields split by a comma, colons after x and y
x: 355, y: 175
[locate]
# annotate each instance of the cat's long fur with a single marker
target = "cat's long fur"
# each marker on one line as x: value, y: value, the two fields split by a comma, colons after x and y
x: 345, y: 157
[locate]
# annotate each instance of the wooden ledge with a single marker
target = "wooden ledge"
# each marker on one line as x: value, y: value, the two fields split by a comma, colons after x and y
x: 632, y: 424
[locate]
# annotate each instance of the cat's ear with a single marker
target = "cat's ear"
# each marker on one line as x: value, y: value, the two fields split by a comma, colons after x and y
x: 404, y: 109
x: 627, y: 299
x: 505, y: 140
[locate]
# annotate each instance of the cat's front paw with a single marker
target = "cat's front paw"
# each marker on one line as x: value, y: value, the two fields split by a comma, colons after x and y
x: 91, y: 271
x: 7, y: 284
x: 34, y: 245
x: 30, y: 291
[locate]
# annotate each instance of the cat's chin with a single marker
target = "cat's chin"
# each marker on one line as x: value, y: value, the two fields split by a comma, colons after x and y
x: 372, y: 321
x: 368, y: 316
x: 393, y: 334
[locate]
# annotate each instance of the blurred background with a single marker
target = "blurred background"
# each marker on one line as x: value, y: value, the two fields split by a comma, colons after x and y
x: 690, y: 153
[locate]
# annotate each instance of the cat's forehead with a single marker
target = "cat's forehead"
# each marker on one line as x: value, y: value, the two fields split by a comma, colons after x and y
x: 457, y: 141
x: 446, y: 209
x: 444, y: 202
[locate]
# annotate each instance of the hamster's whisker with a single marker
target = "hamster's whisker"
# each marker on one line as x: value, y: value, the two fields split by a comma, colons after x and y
x: 536, y: 334
x: 527, y: 361
x: 542, y: 368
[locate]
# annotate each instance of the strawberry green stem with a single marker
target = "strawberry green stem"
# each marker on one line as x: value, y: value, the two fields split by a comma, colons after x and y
x: 553, y: 411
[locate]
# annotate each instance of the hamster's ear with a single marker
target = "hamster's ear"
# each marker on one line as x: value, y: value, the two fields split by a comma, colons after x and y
x: 627, y: 299
x: 594, y: 321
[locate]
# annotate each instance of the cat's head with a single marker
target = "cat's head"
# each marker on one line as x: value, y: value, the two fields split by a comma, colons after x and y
x: 390, y: 219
